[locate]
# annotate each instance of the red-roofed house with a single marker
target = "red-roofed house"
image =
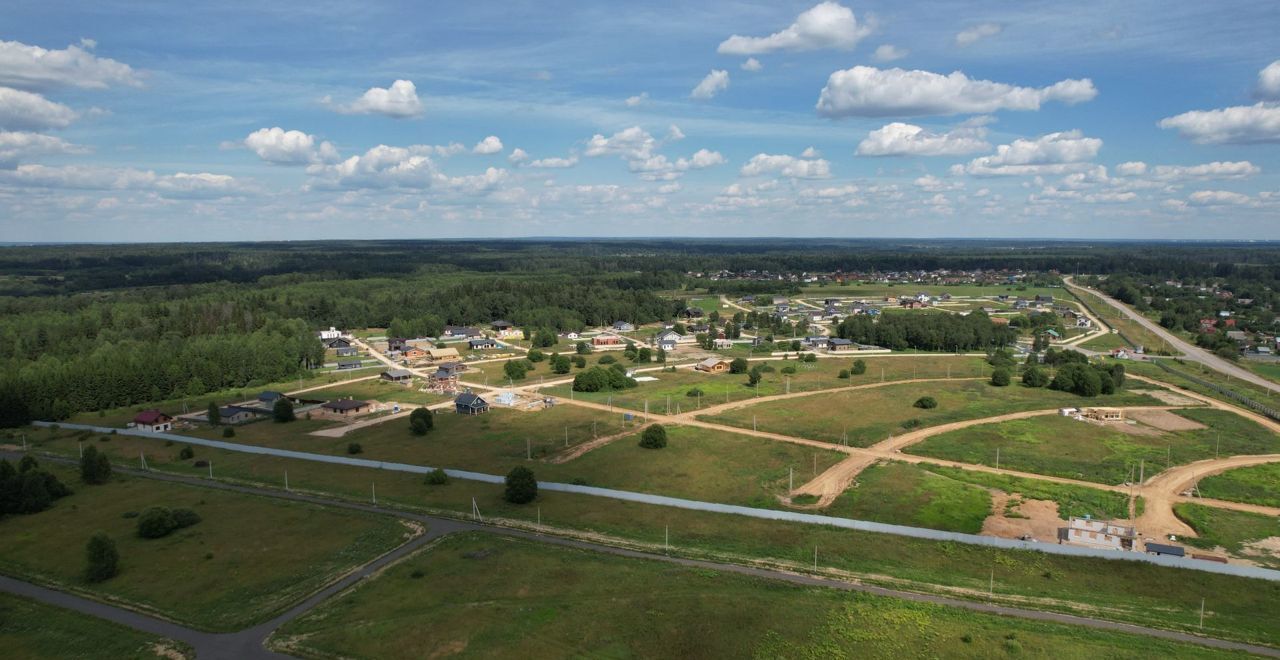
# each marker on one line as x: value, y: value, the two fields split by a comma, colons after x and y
x: 153, y: 420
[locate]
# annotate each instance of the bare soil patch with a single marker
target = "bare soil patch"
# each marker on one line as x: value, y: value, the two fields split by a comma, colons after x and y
x: 1041, y: 521
x: 1170, y: 398
x: 1165, y: 420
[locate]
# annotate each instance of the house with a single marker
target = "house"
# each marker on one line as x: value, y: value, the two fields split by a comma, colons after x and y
x: 238, y: 414
x: 346, y: 352
x: 912, y: 303
x: 435, y: 354
x: 397, y: 344
x: 816, y: 315
x: 1045, y: 298
x: 830, y: 302
x: 453, y: 367
x: 747, y: 298
x: 336, y: 342
x: 723, y: 343
x: 838, y: 345
x: 153, y: 420
x: 346, y: 407
x: 1120, y: 353
x: 782, y: 308
x: 1100, y: 534
x: 470, y: 404
x: 413, y: 352
x: 667, y: 340
x: 757, y: 342
x: 692, y: 313
x: 780, y: 300
x: 269, y: 398
x: 713, y: 366
x: 1103, y: 414
x: 606, y: 340
x: 331, y: 333
x: 397, y: 375
x: 1084, y: 322
x: 460, y: 331
x: 504, y: 328
x: 999, y: 320
x: 1238, y: 336
x: 1053, y: 333
x: 1162, y: 549
x: 481, y: 344
x: 699, y: 327
x: 349, y: 364
x: 623, y: 326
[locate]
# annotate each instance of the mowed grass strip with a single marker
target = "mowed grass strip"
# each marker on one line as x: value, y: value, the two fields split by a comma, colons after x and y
x: 905, y: 494
x: 1123, y: 591
x: 1065, y: 447
x: 808, y: 377
x: 1257, y: 484
x: 871, y: 415
x: 35, y: 631
x: 490, y: 596
x: 248, y: 558
x: 1252, y: 536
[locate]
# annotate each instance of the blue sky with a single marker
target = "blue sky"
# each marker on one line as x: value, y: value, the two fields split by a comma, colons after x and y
x: 142, y: 121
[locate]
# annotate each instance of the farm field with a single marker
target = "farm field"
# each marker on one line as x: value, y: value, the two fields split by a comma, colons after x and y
x: 35, y: 631
x: 1242, y: 534
x: 904, y: 494
x: 1257, y: 484
x: 1064, y: 447
x: 1124, y: 591
x: 809, y: 377
x: 500, y: 596
x: 871, y: 415
x: 248, y: 558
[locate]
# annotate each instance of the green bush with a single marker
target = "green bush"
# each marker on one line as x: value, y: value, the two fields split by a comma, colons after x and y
x: 926, y: 402
x: 694, y: 392
x: 738, y: 366
x: 282, y: 411
x: 354, y: 448
x: 95, y: 467
x: 1000, y: 377
x: 844, y: 374
x: 654, y: 437
x: 228, y: 432
x: 910, y: 423
x: 859, y: 367
x: 1035, y: 377
x: 421, y: 421
x: 186, y: 453
x: 521, y: 486
x: 437, y: 477
x: 102, y: 560
x: 156, y: 522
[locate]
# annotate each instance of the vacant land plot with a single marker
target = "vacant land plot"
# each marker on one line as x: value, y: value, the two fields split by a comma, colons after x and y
x: 871, y: 415
x: 1258, y: 484
x: 488, y: 596
x: 379, y: 390
x: 1064, y: 447
x: 904, y: 494
x: 35, y: 631
x: 1249, y: 536
x: 807, y: 377
x: 1105, y: 342
x: 248, y: 558
x: 1072, y: 500
x: 1125, y: 591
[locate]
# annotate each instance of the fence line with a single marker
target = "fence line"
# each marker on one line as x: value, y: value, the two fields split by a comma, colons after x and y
x: 732, y: 509
x: 1259, y: 407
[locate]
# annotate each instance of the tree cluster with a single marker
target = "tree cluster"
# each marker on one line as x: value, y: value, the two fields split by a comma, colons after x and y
x: 28, y: 489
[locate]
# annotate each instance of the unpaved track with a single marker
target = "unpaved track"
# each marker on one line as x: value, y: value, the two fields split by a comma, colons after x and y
x: 590, y: 445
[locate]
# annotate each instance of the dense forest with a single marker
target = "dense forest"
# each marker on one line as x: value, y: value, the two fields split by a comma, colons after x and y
x: 89, y: 327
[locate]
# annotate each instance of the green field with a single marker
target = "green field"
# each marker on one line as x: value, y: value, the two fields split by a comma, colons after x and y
x: 1064, y: 447
x: 1072, y: 500
x: 1125, y: 591
x: 1244, y: 388
x: 35, y: 631
x: 379, y: 390
x: 1257, y: 484
x: 1104, y: 342
x: 488, y: 596
x: 871, y: 415
x: 1238, y: 532
x: 808, y: 377
x: 904, y: 494
x: 250, y: 557
x: 1268, y: 370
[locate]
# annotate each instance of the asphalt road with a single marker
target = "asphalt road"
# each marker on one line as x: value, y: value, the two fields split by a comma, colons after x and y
x: 249, y: 643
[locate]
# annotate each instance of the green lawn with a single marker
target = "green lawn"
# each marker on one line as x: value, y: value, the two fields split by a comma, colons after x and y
x: 379, y: 390
x: 871, y: 415
x: 1236, y: 531
x: 1104, y: 342
x: 488, y: 596
x: 1072, y: 500
x: 1064, y: 447
x: 808, y: 377
x: 1125, y: 591
x: 1268, y: 370
x: 250, y: 557
x: 904, y: 494
x: 1257, y: 484
x: 35, y: 631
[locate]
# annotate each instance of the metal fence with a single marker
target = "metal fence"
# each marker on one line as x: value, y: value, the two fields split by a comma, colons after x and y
x: 1231, y: 394
x: 712, y: 507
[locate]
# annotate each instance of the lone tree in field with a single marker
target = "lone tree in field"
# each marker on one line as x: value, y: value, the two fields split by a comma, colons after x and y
x: 926, y: 402
x: 421, y: 421
x: 522, y: 486
x: 753, y: 376
x: 654, y: 437
x: 102, y: 558
x: 282, y: 411
x: 1000, y: 377
x: 95, y: 467
x: 212, y: 414
x: 859, y: 367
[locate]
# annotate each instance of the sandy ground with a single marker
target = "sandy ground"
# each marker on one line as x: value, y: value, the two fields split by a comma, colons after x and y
x: 1041, y: 522
x: 1165, y: 420
x: 1268, y: 547
x: 1171, y: 398
x: 1131, y: 428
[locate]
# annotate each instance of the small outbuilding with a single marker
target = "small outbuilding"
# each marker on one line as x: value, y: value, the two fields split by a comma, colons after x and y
x: 481, y: 344
x: 397, y: 375
x: 1165, y: 550
x: 468, y: 403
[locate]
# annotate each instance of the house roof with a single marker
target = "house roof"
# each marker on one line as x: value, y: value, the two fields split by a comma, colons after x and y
x: 836, y: 341
x: 1161, y: 548
x: 710, y: 362
x: 345, y: 404
x: 398, y: 373
x: 442, y: 352
x: 269, y: 396
x: 343, y: 363
x: 470, y: 400
x: 150, y: 417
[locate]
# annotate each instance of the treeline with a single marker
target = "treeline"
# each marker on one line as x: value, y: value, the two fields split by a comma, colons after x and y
x: 927, y: 332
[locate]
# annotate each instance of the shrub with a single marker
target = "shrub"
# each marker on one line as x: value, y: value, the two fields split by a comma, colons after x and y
x: 1000, y: 377
x: 95, y: 467
x: 282, y: 411
x: 926, y: 402
x: 738, y: 366
x: 156, y: 522
x: 1035, y: 377
x: 521, y: 486
x: 186, y: 453
x: 607, y: 359
x: 788, y: 370
x: 102, y: 560
x: 654, y: 437
x: 910, y: 423
x: 579, y: 362
x: 535, y: 355
x: 809, y: 357
x: 844, y: 373
x: 354, y: 448
x: 515, y: 369
x: 694, y: 392
x: 228, y: 432
x: 421, y: 421
x: 437, y: 477
x: 185, y: 518
x: 859, y: 367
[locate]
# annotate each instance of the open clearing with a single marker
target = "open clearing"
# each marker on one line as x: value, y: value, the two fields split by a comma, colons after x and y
x: 1248, y: 535
x: 904, y: 494
x: 488, y: 596
x: 248, y: 558
x: 1065, y: 447
x: 1165, y: 421
x: 35, y: 631
x: 1258, y: 484
x: 871, y: 415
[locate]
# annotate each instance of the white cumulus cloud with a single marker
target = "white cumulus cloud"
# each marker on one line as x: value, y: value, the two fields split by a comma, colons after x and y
x: 1131, y: 168
x: 890, y: 52
x: 399, y: 101
x: 1054, y: 153
x: 826, y: 25
x: 33, y: 67
x: 788, y: 166
x: 554, y: 162
x: 21, y: 110
x: 487, y: 146
x: 517, y: 156
x: 16, y: 146
x: 1217, y: 198
x: 972, y: 35
x: 276, y: 145
x: 1243, y: 124
x: 633, y: 101
x: 752, y: 65
x: 870, y: 92
x: 715, y: 82
x: 1269, y: 82
x: 178, y: 185
x: 1215, y: 170
x: 900, y: 139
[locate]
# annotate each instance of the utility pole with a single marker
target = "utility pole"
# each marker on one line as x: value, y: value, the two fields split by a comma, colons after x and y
x: 1142, y: 469
x: 528, y: 449
x: 815, y: 557
x: 997, y: 458
x: 666, y: 538
x: 753, y: 422
x: 210, y: 469
x: 991, y: 586
x: 791, y: 479
x: 566, y: 436
x: 1202, y: 613
x: 374, y: 487
x: 286, y: 481
x: 815, y: 465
